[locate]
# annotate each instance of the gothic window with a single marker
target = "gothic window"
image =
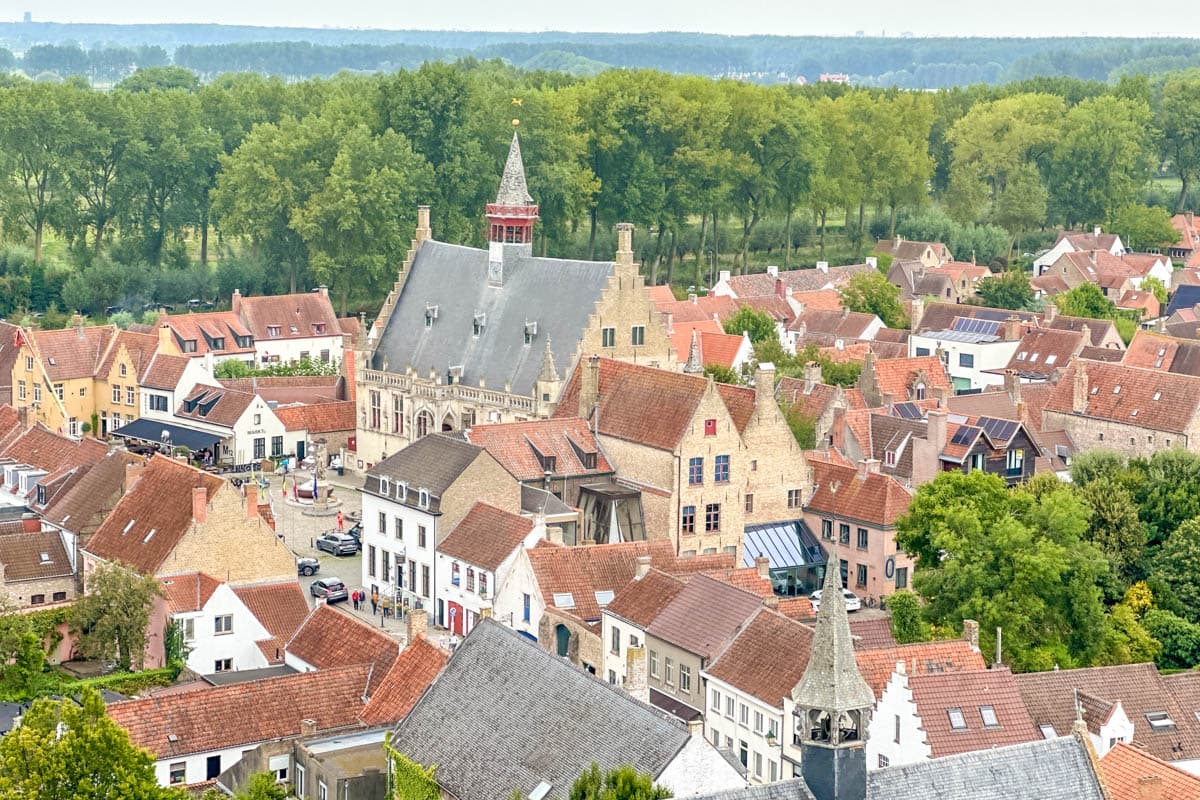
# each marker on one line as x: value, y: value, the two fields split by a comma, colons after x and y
x: 424, y: 423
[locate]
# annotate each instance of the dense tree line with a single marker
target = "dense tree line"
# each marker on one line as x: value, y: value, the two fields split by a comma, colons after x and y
x: 292, y: 184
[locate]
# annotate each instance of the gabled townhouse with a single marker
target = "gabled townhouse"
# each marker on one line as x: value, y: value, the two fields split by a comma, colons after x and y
x: 761, y: 284
x: 462, y: 337
x: 174, y: 518
x: 1167, y: 353
x: 474, y: 560
x: 555, y: 594
x: 706, y: 344
x: 928, y: 254
x: 829, y: 328
x: 331, y: 639
x: 1115, y: 275
x: 1135, y: 411
x: 35, y: 567
x: 1187, y: 246
x: 195, y: 736
x: 221, y: 632
x: 304, y: 424
x: 1073, y: 241
x: 625, y: 619
x: 168, y: 380
x: 855, y: 510
x: 1044, y: 353
x: 811, y: 399
x: 546, y: 722
x: 280, y: 607
x: 1131, y: 703
x: 80, y: 510
x: 411, y: 501
x: 1131, y: 773
x: 920, y: 717
x: 923, y: 376
x: 243, y: 427
x: 710, y: 458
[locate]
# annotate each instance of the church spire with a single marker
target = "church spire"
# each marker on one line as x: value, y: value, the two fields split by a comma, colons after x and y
x: 511, y: 217
x: 694, y: 366
x: 833, y: 704
x: 548, y: 374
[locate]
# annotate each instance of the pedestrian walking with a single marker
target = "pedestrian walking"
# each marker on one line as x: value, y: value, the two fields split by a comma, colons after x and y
x: 386, y: 604
x: 354, y: 599
x: 341, y: 520
x: 374, y: 601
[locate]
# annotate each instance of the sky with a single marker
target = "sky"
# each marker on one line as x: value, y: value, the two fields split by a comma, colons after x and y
x: 791, y: 17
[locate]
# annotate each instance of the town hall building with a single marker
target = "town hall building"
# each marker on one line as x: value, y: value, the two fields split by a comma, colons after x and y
x: 471, y: 336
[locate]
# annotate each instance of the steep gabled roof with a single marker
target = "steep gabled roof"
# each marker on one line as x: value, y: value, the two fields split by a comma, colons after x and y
x: 331, y: 638
x: 877, y: 499
x: 432, y: 462
x: 318, y: 417
x: 141, y: 348
x: 35, y: 555
x: 72, y: 352
x: 188, y: 592
x: 704, y: 615
x: 40, y: 447
x: 753, y: 664
x: 165, y: 371
x: 486, y: 536
x: 280, y: 608
x: 1146, y: 398
x: 1042, y: 352
x: 971, y: 692
x: 641, y: 600
x: 243, y: 714
x: 760, y: 284
x: 200, y: 328
x: 84, y: 505
x: 149, y: 520
x: 298, y: 316
x: 412, y: 673
x: 1125, y: 767
x: 652, y: 406
x: 215, y: 405
x: 516, y: 446
x: 570, y: 577
x: 538, y: 718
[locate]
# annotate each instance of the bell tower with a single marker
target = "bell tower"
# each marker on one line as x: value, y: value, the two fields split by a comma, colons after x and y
x: 833, y: 705
x: 511, y: 217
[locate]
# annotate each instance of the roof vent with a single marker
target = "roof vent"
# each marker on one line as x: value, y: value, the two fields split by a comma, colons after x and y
x: 172, y: 737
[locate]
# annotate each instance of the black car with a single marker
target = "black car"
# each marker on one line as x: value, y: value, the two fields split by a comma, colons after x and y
x: 337, y: 544
x: 332, y: 589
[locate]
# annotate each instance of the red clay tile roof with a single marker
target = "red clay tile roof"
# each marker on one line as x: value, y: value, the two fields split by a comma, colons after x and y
x: 72, y: 352
x: 319, y: 417
x: 827, y: 299
x: 754, y: 662
x: 1088, y: 241
x: 895, y: 376
x: 922, y: 658
x: 652, y: 406
x: 796, y: 608
x: 297, y: 315
x: 242, y: 714
x: 331, y: 638
x: 21, y: 554
x: 1139, y: 688
x: 704, y: 615
x: 1042, y: 351
x: 583, y: 571
x: 165, y: 371
x: 189, y: 591
x: 717, y: 348
x: 761, y: 284
x: 1147, y: 398
x: 746, y: 578
x: 871, y: 633
x: 842, y: 324
x: 215, y: 324
x: 141, y: 348
x: 85, y: 504
x: 215, y: 405
x: 513, y: 444
x: 970, y: 692
x: 292, y: 389
x: 1124, y: 767
x: 486, y: 536
x: 280, y: 607
x: 699, y: 309
x: 1188, y: 276
x: 811, y: 403
x: 903, y: 249
x: 878, y: 499
x: 416, y: 668
x: 160, y: 501
x: 1144, y: 301
x: 640, y: 600
x: 661, y: 294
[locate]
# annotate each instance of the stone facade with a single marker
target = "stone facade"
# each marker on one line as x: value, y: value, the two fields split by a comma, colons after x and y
x: 38, y: 591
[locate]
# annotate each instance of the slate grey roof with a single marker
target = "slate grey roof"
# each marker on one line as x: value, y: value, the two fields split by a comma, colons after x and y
x: 1054, y: 769
x: 513, y: 191
x: 557, y: 294
x: 507, y: 715
x: 433, y: 462
x: 794, y: 789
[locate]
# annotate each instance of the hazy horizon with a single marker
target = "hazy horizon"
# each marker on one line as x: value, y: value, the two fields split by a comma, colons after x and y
x: 1021, y: 18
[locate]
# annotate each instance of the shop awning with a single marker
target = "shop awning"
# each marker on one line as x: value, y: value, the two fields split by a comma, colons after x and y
x: 158, y: 432
x: 788, y: 544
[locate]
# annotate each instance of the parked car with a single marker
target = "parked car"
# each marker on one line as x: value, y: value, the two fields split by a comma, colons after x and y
x: 332, y: 589
x: 337, y: 544
x: 852, y: 601
x: 306, y: 565
x: 354, y: 532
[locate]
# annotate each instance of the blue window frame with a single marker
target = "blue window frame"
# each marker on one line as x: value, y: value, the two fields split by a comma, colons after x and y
x: 525, y: 615
x: 695, y: 471
x: 721, y: 469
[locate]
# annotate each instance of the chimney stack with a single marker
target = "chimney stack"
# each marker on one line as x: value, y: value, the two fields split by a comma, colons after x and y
x: 771, y: 602
x: 165, y: 345
x: 635, y: 674
x: 873, y: 465
x: 589, y: 386
x: 936, y: 428
x: 1012, y: 328
x: 200, y: 504
x: 773, y: 271
x: 77, y: 321
x: 1051, y: 312
x: 554, y: 534
x: 861, y: 470
x: 1149, y: 787
x: 30, y: 523
x: 1079, y: 393
x: 308, y: 727
x: 416, y: 624
x: 970, y: 633
x: 915, y: 313
x: 1096, y: 231
x: 423, y: 231
x: 872, y: 262
x: 762, y: 565
x: 643, y: 567
x: 823, y: 266
x: 625, y: 244
x: 323, y: 290
x: 251, y: 500
x: 780, y: 288
x: 764, y: 384
x: 132, y: 473
x: 812, y: 375
x: 235, y: 301
x: 1012, y: 385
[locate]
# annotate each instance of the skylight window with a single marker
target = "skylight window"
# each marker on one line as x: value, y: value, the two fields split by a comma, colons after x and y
x: 1157, y: 395
x: 564, y: 600
x: 149, y: 536
x: 45, y: 557
x: 1117, y: 389
x: 1048, y: 731
x: 1160, y: 721
x: 603, y: 598
x: 1034, y: 357
x: 1021, y: 356
x: 1095, y: 389
x: 1133, y: 413
x: 957, y: 721
x: 1050, y: 359
x: 128, y: 525
x: 989, y: 716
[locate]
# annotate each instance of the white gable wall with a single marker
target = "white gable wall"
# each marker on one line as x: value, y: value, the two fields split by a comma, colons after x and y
x: 909, y: 745
x: 699, y: 769
x: 239, y: 644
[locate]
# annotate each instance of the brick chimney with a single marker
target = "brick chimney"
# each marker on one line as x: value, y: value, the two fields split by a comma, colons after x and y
x: 764, y: 384
x: 308, y: 727
x: 200, y: 504
x: 873, y: 465
x: 625, y: 244
x: 1012, y: 328
x: 1050, y: 313
x: 771, y: 601
x: 635, y: 674
x: 423, y: 231
x: 416, y: 624
x: 812, y: 375
x: 762, y: 565
x: 165, y: 342
x: 780, y: 288
x: 1079, y: 391
x: 643, y: 567
x: 323, y: 290
x: 30, y: 523
x: 554, y: 534
x: 1149, y: 787
x: 935, y: 431
x: 1012, y: 385
x: 251, y: 500
x: 589, y: 386
x: 970, y: 633
x: 235, y: 301
x: 838, y: 429
x: 861, y: 470
x: 77, y: 322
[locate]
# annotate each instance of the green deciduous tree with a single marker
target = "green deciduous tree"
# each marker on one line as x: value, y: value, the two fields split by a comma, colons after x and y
x: 65, y: 750
x: 1009, y: 289
x: 1143, y: 227
x: 1178, y: 563
x: 1114, y: 526
x: 1086, y: 300
x: 908, y: 624
x: 870, y: 292
x: 1179, y: 638
x: 622, y: 783
x: 113, y: 615
x: 1179, y: 120
x: 757, y: 323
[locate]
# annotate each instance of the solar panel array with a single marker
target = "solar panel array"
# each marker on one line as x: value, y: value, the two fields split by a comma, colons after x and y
x: 1000, y: 430
x: 968, y: 325
x: 964, y: 435
x: 906, y: 411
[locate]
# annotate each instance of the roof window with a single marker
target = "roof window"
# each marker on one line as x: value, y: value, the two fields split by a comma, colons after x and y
x: 45, y: 557
x: 957, y: 721
x: 1117, y: 389
x: 988, y: 713
x: 1050, y: 359
x: 1048, y: 731
x: 1160, y: 721
x: 128, y: 525
x: 564, y: 600
x: 1133, y: 413
x: 1157, y: 396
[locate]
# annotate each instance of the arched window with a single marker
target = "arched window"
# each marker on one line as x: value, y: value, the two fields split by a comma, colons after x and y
x: 424, y: 423
x: 920, y: 391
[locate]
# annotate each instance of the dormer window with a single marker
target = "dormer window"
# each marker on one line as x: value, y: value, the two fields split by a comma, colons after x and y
x: 385, y: 486
x: 478, y: 323
x: 318, y: 328
x: 920, y: 391
x: 431, y: 313
x: 189, y: 345
x: 402, y: 491
x: 530, y: 331
x: 273, y: 331
x: 1117, y: 389
x: 423, y: 498
x: 889, y: 458
x: 218, y: 343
